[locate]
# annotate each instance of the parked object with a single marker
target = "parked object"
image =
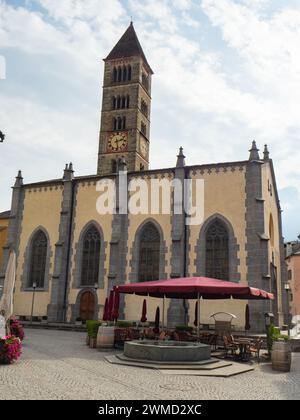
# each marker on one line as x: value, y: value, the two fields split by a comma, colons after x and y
x: 281, y: 356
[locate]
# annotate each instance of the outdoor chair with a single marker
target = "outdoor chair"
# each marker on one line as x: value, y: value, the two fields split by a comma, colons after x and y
x: 255, y: 348
x: 229, y: 346
x: 213, y: 340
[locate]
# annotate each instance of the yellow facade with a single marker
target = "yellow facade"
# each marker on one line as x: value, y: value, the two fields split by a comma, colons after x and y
x: 4, y: 222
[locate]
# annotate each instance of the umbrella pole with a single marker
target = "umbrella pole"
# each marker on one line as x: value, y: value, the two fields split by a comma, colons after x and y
x: 198, y: 318
x: 163, y: 320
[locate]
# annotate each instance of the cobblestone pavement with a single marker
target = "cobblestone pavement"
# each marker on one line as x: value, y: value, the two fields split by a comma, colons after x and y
x: 58, y: 365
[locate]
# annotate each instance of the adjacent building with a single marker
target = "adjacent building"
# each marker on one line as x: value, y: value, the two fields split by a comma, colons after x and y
x: 293, y: 264
x: 73, y: 255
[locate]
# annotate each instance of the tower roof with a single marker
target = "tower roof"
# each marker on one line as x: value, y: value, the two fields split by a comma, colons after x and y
x: 128, y: 46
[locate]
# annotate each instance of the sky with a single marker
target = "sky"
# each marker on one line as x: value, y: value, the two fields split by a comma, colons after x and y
x: 226, y: 72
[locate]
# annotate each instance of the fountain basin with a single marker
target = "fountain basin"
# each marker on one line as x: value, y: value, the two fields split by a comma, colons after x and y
x: 167, y: 351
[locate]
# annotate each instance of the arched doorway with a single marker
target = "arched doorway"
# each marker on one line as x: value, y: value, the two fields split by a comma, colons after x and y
x: 87, y: 306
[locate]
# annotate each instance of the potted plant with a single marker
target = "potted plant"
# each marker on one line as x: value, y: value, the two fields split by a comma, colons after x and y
x: 279, y: 347
x: 92, y: 330
x: 16, y: 328
x: 10, y: 349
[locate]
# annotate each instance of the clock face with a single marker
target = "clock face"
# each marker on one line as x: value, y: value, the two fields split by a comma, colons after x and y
x: 117, y: 142
x: 144, y: 147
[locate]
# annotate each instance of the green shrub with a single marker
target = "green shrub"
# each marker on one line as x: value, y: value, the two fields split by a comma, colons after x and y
x: 274, y: 335
x: 124, y: 324
x: 184, y: 328
x: 92, y: 328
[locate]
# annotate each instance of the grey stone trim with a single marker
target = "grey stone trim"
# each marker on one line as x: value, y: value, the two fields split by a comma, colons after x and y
x: 14, y: 228
x: 27, y: 262
x: 257, y: 259
x: 178, y: 308
x: 56, y: 310
x: 135, y: 251
x: 75, y: 308
x: 78, y: 257
x: 200, y: 249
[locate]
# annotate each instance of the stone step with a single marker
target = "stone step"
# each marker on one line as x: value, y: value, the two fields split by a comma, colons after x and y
x: 218, y: 364
x: 122, y: 357
x: 224, y: 372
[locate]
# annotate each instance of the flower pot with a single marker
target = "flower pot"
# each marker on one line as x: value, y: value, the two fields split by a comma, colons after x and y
x: 93, y: 342
x: 105, y: 337
x: 281, y: 356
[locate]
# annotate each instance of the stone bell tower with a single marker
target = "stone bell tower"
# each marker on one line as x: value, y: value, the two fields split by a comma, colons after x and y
x: 125, y: 118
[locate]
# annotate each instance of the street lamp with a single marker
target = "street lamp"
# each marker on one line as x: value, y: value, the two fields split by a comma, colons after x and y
x: 33, y: 295
x: 287, y: 288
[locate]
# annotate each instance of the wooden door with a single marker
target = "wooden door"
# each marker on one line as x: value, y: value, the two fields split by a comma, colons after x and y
x: 87, y: 306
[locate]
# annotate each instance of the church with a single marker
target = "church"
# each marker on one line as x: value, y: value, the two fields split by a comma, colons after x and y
x: 71, y: 256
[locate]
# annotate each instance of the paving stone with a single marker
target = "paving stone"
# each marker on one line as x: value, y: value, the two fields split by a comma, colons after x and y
x: 58, y: 365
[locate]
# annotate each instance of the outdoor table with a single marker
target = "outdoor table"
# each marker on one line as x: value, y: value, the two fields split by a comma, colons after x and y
x: 243, y: 343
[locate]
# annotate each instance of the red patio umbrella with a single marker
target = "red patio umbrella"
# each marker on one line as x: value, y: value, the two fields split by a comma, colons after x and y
x: 144, y: 312
x: 110, y: 306
x: 196, y: 314
x: 247, y: 318
x: 115, y: 312
x: 105, y: 313
x: 157, y: 316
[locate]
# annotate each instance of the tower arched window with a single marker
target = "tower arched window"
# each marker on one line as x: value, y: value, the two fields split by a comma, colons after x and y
x: 114, y: 102
x: 124, y: 74
x: 119, y: 123
x: 39, y: 248
x: 143, y: 128
x: 127, y: 101
x: 149, y: 249
x: 129, y: 73
x: 119, y: 74
x: 119, y: 102
x: 115, y: 123
x: 115, y: 75
x: 123, y: 123
x: 124, y: 102
x: 90, y: 257
x: 217, y: 251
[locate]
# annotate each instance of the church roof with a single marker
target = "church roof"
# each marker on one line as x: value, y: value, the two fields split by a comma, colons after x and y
x: 128, y: 46
x: 5, y: 214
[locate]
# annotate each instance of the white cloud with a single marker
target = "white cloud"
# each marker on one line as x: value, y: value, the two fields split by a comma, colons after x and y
x: 211, y: 98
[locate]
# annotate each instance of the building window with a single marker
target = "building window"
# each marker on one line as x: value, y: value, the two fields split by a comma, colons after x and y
x: 144, y: 108
x: 90, y: 257
x: 144, y: 129
x: 114, y: 166
x: 145, y: 81
x: 149, y: 254
x: 38, y: 260
x: 115, y: 75
x: 217, y: 251
x: 290, y: 275
x: 119, y: 123
x: 129, y: 73
x: 142, y: 167
x: 124, y: 74
x: 119, y: 74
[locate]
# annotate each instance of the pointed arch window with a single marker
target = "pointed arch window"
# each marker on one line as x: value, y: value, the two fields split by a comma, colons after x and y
x: 39, y: 248
x: 90, y: 257
x: 149, y: 253
x: 217, y: 251
x: 115, y: 75
x: 119, y: 74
